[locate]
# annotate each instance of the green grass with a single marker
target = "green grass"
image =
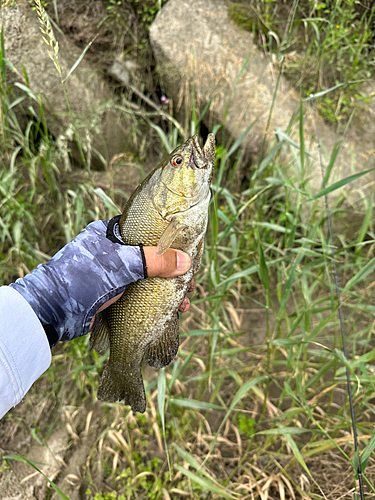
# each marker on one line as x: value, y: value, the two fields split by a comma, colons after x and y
x: 320, y: 44
x: 255, y: 405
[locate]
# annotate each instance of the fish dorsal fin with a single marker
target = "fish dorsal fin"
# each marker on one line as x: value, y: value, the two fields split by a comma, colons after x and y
x: 99, y: 339
x: 170, y: 233
x: 164, y: 350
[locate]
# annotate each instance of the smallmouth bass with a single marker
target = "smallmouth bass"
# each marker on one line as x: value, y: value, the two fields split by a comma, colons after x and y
x: 168, y: 209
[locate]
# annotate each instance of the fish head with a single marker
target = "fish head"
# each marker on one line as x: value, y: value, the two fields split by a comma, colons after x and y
x: 185, y: 176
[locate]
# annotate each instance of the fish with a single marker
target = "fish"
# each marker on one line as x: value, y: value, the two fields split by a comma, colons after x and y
x: 169, y: 209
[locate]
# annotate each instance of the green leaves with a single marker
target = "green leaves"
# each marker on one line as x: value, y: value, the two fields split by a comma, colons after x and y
x: 361, y: 275
x: 339, y: 184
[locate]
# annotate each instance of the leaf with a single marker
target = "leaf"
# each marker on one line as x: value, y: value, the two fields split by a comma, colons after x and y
x: 287, y: 430
x: 244, y: 389
x: 324, y: 92
x: 195, y: 404
x: 239, y: 141
x: 341, y: 357
x: 332, y: 159
x: 20, y: 458
x: 194, y: 463
x: 296, y: 452
x: 26, y: 90
x: 339, y: 184
x: 161, y: 396
x: 263, y: 269
x: 195, y: 333
x: 274, y: 227
x: 204, y: 483
x: 365, y: 271
x: 163, y: 137
x: 107, y: 200
x: 187, y: 457
x: 283, y: 136
x: 267, y: 160
x: 2, y: 54
x: 301, y: 139
x: 289, y: 283
x: 286, y: 342
x: 366, y: 453
x: 366, y: 221
x: 79, y: 59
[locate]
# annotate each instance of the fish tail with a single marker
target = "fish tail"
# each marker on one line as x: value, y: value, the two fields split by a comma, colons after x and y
x: 123, y: 384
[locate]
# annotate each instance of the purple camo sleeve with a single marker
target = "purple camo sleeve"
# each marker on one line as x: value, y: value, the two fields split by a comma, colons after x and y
x: 68, y: 290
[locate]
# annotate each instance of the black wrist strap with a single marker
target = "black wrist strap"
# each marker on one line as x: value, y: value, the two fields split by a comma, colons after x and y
x: 112, y: 237
x: 110, y: 230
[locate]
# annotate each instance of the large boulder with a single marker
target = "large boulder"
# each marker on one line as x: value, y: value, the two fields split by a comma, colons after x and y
x: 87, y: 92
x: 196, y: 45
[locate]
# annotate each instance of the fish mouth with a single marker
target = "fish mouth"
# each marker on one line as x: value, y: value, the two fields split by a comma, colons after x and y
x: 202, y: 159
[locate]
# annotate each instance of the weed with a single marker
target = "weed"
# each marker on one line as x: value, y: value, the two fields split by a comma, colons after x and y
x: 322, y: 44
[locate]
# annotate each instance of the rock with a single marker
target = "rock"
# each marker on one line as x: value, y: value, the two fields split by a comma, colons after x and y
x: 86, y: 90
x: 194, y: 42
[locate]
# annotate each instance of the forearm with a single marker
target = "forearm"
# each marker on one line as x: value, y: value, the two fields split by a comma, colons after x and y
x: 24, y: 349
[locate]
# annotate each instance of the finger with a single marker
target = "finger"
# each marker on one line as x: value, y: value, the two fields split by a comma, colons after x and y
x: 185, y: 305
x: 168, y: 265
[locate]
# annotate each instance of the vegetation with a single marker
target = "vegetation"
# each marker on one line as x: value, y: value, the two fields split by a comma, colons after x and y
x: 255, y: 405
x: 319, y: 44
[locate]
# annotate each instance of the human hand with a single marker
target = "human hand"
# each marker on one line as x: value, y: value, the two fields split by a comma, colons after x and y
x: 88, y: 274
x: 168, y: 265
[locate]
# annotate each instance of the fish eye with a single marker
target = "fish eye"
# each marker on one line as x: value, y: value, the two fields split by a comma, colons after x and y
x: 177, y: 160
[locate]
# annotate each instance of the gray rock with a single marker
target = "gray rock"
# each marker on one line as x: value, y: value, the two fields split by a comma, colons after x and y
x: 195, y: 43
x: 86, y: 90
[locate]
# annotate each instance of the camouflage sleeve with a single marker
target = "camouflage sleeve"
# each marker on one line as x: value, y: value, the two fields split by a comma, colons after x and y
x: 68, y: 290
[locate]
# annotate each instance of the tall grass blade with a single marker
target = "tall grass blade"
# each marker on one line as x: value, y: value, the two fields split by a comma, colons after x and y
x: 2, y: 54
x: 244, y: 389
x: 335, y: 152
x: 27, y: 90
x: 296, y: 452
x: 365, y: 271
x: 301, y: 140
x: 108, y: 202
x: 289, y: 283
x: 25, y: 460
x: 161, y: 396
x: 267, y: 160
x: 240, y: 140
x: 339, y: 184
x: 324, y: 92
x: 206, y: 484
x: 195, y: 404
x: 366, y: 453
x: 366, y: 222
x: 162, y: 384
x: 163, y: 137
x: 263, y: 269
x: 79, y: 59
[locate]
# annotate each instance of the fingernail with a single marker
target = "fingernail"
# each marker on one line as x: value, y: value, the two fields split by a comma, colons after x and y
x: 183, y: 262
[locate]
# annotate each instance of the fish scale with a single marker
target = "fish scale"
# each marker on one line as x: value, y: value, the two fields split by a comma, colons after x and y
x: 168, y: 209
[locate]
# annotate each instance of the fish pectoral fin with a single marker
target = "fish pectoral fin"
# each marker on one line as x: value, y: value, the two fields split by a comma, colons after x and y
x: 123, y: 382
x: 99, y: 339
x: 170, y: 233
x: 164, y: 350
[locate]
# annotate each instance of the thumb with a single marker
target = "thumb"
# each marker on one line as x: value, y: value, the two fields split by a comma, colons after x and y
x: 172, y: 263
